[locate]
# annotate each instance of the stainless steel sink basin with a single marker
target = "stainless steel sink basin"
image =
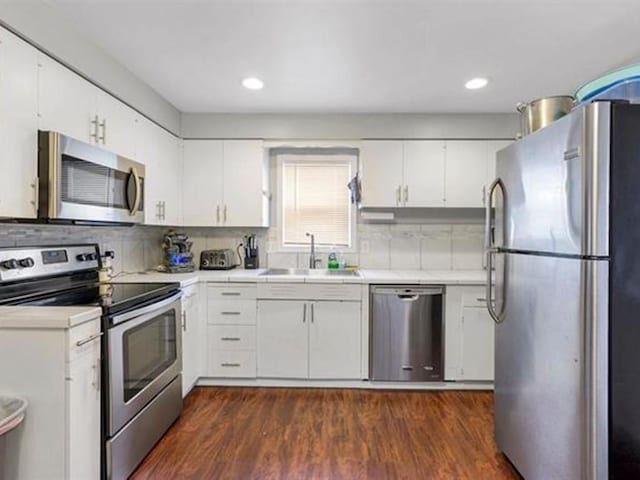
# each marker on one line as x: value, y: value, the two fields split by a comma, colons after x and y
x: 318, y: 272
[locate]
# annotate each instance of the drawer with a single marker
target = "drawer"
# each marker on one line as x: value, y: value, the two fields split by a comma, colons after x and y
x: 232, y: 363
x: 231, y: 291
x: 236, y: 312
x: 231, y: 337
x: 87, y: 335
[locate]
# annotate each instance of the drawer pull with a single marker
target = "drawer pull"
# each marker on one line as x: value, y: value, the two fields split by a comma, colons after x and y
x: 229, y: 313
x: 480, y: 299
x: 230, y: 365
x: 80, y: 343
x: 230, y: 294
x: 230, y: 339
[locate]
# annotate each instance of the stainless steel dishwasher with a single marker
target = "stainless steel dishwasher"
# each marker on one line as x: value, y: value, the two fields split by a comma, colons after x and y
x: 406, y: 334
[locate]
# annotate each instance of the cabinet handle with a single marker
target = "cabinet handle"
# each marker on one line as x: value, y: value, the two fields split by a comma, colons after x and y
x: 484, y: 196
x: 158, y: 215
x: 230, y: 365
x: 96, y: 368
x: 304, y: 313
x: 36, y: 193
x: 481, y: 299
x: 95, y: 122
x: 398, y: 195
x: 218, y: 214
x: 102, y: 125
x: 313, y: 312
x: 80, y: 343
x: 230, y: 339
x: 164, y: 210
x: 406, y: 194
x: 230, y: 294
x: 184, y: 321
x: 229, y: 313
x: 225, y: 214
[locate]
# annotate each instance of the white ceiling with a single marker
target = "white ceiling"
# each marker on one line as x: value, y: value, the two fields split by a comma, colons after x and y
x: 360, y: 55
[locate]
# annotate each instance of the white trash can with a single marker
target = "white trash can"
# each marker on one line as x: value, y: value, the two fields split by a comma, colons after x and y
x: 12, y: 412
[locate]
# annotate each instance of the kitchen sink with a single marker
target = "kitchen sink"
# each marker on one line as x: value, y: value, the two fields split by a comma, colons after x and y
x: 316, y: 272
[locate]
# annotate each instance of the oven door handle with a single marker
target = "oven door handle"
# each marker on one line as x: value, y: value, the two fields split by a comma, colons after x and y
x: 156, y: 307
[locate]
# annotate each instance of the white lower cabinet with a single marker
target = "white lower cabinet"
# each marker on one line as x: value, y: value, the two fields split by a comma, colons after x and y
x: 469, y: 335
x: 231, y: 330
x: 191, y: 332
x: 309, y: 339
x: 58, y: 372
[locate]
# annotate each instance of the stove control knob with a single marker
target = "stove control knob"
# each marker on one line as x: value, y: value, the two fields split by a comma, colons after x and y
x: 26, y: 262
x: 86, y: 257
x: 10, y: 264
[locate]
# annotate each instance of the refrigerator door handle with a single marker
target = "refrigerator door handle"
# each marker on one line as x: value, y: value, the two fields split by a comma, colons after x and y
x: 489, y: 227
x: 490, y: 307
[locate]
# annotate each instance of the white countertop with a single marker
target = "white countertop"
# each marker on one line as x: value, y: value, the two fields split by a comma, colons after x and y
x: 48, y: 317
x: 441, y: 277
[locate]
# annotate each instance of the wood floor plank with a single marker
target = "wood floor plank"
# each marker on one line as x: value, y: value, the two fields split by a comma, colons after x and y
x: 279, y: 433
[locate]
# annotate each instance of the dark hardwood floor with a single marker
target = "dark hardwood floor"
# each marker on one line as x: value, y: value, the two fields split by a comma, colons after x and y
x: 278, y: 433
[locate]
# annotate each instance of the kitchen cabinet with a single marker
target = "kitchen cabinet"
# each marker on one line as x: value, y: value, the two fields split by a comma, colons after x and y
x: 382, y: 173
x: 424, y: 174
x: 466, y: 169
x: 225, y: 183
x: 308, y: 339
x: 493, y: 147
x: 202, y: 182
x: 160, y: 152
x: 58, y: 372
x: 18, y: 127
x: 469, y: 335
x: 69, y: 104
x: 231, y: 330
x: 191, y: 332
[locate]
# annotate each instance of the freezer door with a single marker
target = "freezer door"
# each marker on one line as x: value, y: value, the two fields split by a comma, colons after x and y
x: 555, y: 187
x: 551, y: 367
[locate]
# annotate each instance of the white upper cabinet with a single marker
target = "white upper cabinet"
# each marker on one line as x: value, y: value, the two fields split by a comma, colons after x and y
x: 382, y: 165
x: 18, y: 127
x: 244, y: 184
x: 117, y: 126
x: 202, y: 182
x: 466, y: 173
x: 493, y: 147
x: 423, y: 173
x: 67, y: 103
x: 225, y: 183
x: 161, y: 154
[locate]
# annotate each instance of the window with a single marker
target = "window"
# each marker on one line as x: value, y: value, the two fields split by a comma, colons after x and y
x: 316, y: 199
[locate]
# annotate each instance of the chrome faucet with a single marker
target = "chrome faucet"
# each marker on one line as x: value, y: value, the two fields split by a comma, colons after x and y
x: 312, y: 255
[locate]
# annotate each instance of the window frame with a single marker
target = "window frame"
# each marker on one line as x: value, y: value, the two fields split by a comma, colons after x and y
x: 353, y: 210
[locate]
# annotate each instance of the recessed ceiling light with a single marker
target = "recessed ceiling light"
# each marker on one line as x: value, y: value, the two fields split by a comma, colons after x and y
x: 252, y: 83
x: 476, y: 83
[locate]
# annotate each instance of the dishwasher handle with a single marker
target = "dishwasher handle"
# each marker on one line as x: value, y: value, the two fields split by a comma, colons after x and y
x: 407, y: 293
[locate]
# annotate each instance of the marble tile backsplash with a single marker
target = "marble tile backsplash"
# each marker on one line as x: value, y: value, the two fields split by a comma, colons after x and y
x: 397, y: 246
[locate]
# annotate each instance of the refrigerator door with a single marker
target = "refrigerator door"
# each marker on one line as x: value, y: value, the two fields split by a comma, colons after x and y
x: 551, y: 367
x: 555, y: 187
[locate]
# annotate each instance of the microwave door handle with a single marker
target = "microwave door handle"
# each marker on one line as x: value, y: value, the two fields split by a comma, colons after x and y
x: 134, y: 180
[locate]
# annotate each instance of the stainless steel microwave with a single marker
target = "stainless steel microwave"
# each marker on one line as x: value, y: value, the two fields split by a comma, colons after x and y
x: 82, y: 183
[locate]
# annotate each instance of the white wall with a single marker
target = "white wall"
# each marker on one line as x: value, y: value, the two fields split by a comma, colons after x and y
x: 39, y: 22
x: 349, y: 126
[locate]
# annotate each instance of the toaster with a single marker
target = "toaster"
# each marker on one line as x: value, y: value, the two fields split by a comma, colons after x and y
x: 223, y: 259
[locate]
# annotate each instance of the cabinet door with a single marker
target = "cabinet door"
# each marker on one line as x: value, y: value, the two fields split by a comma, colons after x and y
x: 83, y: 405
x: 118, y: 126
x: 148, y: 149
x: 171, y: 155
x: 67, y: 103
x: 202, y: 183
x: 243, y: 184
x: 18, y: 127
x: 334, y: 340
x: 191, y: 331
x: 477, y: 344
x: 466, y: 173
x: 423, y: 173
x: 382, y: 165
x: 283, y: 339
x: 493, y: 146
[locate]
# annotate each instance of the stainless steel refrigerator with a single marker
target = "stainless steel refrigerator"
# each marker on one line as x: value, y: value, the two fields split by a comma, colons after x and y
x: 563, y: 258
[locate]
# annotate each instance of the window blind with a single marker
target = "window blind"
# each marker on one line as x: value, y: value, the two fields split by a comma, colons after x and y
x: 315, y: 199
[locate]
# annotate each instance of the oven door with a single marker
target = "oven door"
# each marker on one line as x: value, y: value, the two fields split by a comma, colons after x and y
x: 82, y: 182
x: 144, y: 355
